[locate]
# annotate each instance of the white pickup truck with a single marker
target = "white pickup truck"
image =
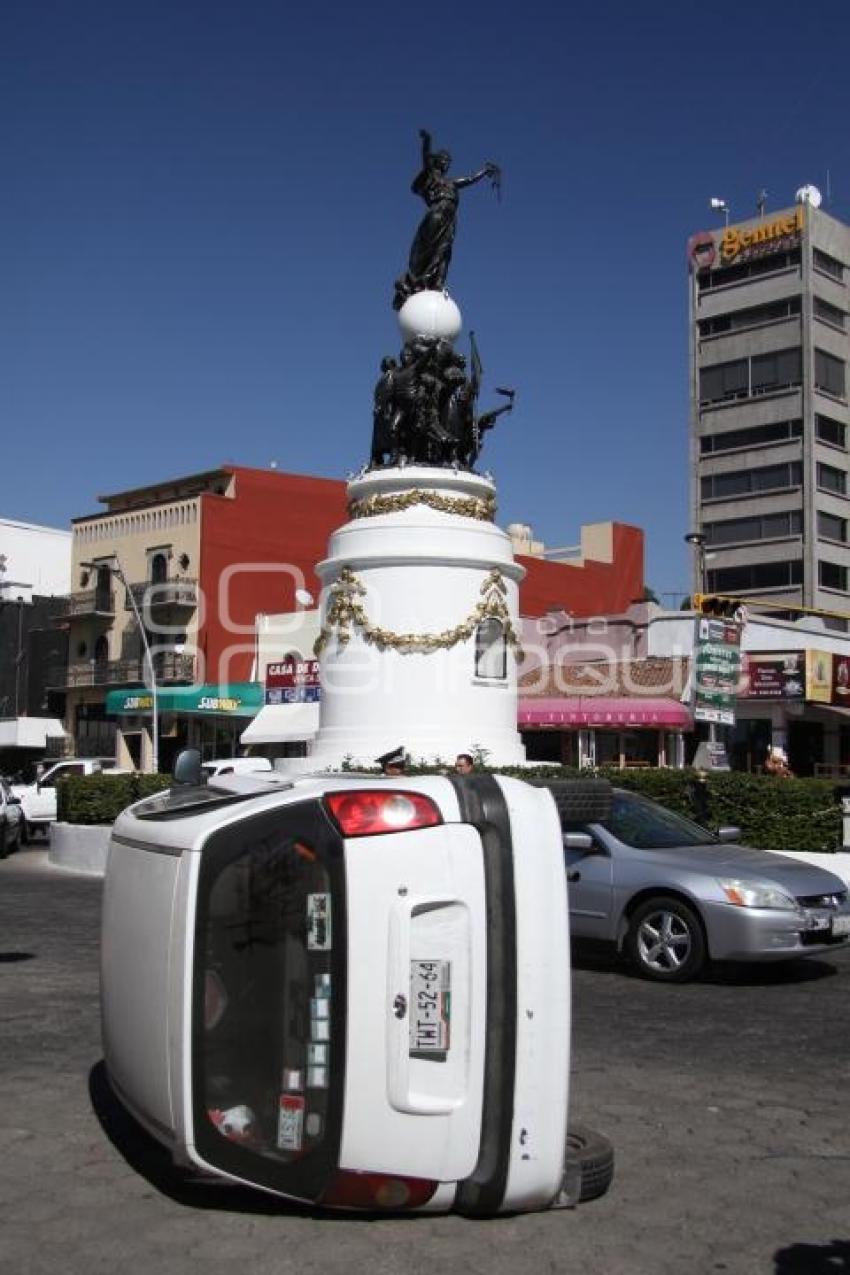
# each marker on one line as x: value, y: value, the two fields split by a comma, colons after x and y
x: 38, y: 800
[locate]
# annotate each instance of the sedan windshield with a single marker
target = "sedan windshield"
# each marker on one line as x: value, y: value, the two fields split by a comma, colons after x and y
x: 646, y: 826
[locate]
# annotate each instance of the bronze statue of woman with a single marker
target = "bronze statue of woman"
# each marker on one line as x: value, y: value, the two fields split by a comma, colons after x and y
x: 431, y: 250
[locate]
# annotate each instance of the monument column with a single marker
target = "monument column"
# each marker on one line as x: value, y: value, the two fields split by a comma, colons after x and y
x: 420, y: 643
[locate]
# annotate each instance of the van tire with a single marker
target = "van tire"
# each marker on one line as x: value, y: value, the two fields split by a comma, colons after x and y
x: 595, y: 1157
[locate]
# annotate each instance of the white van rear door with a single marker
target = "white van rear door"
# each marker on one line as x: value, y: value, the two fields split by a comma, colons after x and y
x: 416, y: 1010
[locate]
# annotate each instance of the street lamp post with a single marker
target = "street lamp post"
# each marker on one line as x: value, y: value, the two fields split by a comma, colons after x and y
x: 116, y: 569
x: 697, y: 539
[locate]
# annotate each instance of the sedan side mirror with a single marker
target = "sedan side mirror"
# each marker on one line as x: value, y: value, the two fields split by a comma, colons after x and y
x: 729, y: 833
x: 578, y: 841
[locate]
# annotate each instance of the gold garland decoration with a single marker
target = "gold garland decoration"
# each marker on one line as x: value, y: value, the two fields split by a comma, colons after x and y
x: 345, y: 613
x: 482, y: 508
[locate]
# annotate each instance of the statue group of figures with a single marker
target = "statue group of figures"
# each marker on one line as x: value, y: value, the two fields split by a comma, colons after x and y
x: 431, y: 251
x: 425, y: 407
x: 425, y: 403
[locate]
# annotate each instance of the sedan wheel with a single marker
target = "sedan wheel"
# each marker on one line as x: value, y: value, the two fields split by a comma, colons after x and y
x: 665, y: 941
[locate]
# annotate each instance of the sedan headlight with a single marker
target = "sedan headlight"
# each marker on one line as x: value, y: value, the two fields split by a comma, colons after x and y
x: 754, y: 894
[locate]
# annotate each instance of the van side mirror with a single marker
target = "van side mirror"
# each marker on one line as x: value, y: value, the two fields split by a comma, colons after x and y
x: 187, y: 767
x: 729, y: 833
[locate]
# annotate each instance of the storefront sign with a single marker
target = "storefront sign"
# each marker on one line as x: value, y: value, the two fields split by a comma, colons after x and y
x: 293, y: 681
x: 841, y: 680
x: 764, y: 236
x: 717, y: 668
x: 774, y: 676
x: 819, y: 677
x: 239, y: 699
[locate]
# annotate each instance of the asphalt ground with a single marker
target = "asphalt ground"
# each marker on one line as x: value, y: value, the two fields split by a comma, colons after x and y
x: 727, y: 1101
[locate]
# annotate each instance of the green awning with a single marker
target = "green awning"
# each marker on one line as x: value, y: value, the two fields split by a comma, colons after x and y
x: 240, y: 699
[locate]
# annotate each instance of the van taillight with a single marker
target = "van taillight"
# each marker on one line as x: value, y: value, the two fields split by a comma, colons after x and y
x: 349, y: 1190
x: 369, y: 812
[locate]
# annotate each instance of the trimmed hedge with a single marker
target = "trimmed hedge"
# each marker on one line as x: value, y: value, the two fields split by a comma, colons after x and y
x: 773, y: 813
x: 99, y: 799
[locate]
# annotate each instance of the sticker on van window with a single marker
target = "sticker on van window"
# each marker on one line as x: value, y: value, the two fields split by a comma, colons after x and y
x: 290, y: 1122
x: 318, y: 922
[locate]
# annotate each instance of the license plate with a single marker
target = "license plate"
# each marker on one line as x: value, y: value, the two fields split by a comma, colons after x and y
x: 840, y: 926
x: 430, y: 1008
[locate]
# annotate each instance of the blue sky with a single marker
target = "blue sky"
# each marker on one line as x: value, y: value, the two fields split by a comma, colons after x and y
x: 205, y: 205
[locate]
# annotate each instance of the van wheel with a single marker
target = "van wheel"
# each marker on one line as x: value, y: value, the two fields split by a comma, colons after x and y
x: 26, y: 832
x: 594, y: 1156
x: 4, y: 840
x: 665, y: 941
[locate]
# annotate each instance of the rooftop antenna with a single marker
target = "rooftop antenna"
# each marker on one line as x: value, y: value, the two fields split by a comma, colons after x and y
x: 761, y: 200
x: 720, y: 205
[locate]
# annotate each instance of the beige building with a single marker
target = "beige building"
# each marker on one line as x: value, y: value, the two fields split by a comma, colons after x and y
x: 769, y: 407
x: 144, y: 550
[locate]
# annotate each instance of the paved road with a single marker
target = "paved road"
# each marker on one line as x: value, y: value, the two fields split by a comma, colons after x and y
x: 727, y: 1101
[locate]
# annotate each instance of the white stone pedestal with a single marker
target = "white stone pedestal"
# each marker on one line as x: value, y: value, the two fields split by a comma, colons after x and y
x: 408, y: 581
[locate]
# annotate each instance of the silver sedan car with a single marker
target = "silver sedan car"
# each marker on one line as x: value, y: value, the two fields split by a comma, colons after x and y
x: 673, y: 896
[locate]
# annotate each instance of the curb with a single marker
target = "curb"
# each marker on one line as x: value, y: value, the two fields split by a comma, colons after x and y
x: 80, y: 847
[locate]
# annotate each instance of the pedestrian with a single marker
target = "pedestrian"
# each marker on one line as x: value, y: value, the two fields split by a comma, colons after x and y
x: 697, y: 793
x: 464, y: 764
x: 776, y: 763
x: 394, y: 762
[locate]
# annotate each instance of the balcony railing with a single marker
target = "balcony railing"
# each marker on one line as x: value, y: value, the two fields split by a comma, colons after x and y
x: 87, y: 602
x: 168, y: 665
x: 182, y: 592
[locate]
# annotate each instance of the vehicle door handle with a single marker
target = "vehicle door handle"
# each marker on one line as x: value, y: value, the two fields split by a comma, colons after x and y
x: 574, y: 876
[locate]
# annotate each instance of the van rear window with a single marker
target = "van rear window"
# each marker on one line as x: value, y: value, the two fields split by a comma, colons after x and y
x: 269, y: 999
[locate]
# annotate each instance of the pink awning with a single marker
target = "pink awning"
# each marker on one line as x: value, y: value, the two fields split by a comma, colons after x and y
x: 602, y: 710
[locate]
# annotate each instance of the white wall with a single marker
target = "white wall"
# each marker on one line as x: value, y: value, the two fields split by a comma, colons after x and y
x: 38, y: 560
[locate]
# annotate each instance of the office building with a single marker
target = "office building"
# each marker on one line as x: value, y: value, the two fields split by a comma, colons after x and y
x: 769, y: 408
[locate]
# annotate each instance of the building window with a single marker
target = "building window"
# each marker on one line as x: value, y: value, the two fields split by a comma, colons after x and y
x: 829, y: 374
x: 831, y: 479
x: 491, y: 650
x: 752, y: 317
x: 755, y: 436
x: 724, y: 381
x: 746, y: 482
x: 776, y: 371
x: 159, y: 568
x: 832, y: 576
x: 770, y: 263
x: 762, y: 374
x: 831, y: 527
x: 829, y: 313
x: 827, y: 265
x: 762, y: 527
x: 761, y: 575
x: 829, y: 431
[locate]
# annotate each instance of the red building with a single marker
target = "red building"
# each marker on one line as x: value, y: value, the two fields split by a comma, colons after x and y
x: 202, y: 556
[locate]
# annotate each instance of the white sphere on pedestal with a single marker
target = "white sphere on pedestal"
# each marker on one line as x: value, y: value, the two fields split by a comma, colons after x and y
x: 430, y: 314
